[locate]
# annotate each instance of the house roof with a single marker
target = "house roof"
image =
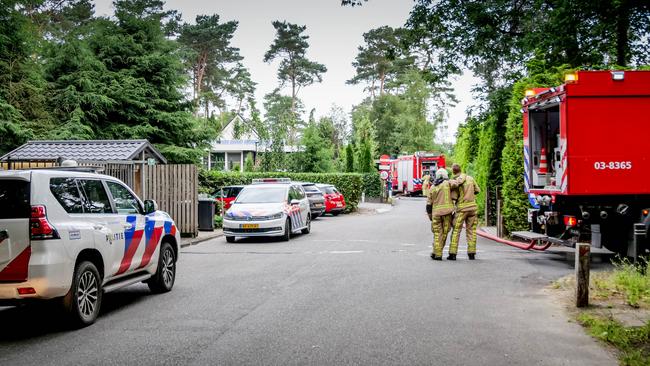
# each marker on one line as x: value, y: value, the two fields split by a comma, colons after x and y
x: 86, y: 150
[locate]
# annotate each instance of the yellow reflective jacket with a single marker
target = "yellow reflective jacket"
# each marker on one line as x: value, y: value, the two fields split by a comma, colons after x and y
x: 439, y: 198
x: 467, y: 191
x: 426, y: 185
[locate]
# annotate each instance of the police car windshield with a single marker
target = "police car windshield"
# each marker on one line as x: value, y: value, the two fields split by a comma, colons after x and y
x: 260, y: 194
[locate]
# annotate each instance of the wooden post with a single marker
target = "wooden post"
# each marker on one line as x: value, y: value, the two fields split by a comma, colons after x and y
x: 499, y: 219
x: 583, y: 251
x: 487, y: 207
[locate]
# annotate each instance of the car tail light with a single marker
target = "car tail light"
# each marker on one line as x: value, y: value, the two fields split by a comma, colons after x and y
x: 570, y: 221
x: 39, y: 226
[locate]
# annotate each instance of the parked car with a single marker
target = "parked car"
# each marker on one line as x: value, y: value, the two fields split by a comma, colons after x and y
x: 229, y: 195
x: 316, y: 199
x: 73, y: 236
x: 334, y: 200
x: 268, y: 207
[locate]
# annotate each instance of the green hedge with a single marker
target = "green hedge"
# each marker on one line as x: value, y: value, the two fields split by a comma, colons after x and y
x: 350, y: 184
x: 372, y: 184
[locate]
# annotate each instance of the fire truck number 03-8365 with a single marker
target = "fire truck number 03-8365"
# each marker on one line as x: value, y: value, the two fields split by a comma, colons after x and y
x: 614, y: 165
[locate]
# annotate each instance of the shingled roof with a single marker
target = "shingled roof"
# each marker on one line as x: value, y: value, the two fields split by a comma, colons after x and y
x: 85, y: 150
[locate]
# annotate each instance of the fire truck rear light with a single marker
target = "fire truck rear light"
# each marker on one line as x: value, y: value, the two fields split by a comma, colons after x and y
x: 26, y: 291
x: 618, y: 75
x: 571, y: 77
x: 645, y: 212
x: 570, y: 221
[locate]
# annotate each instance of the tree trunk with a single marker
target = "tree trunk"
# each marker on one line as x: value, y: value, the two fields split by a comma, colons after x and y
x: 622, y: 39
x: 382, y: 78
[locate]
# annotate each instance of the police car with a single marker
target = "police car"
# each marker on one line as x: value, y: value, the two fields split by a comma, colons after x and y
x: 268, y: 207
x: 73, y: 235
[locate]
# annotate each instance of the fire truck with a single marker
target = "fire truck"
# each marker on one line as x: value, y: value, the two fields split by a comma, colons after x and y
x: 586, y: 161
x: 407, y: 171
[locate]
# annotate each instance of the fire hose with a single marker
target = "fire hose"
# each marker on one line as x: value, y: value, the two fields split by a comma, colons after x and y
x: 525, y: 246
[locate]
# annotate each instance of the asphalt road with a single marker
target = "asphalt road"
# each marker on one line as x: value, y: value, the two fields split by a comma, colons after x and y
x: 360, y: 289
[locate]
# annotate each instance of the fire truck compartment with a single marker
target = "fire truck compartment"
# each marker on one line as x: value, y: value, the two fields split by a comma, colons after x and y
x: 544, y: 132
x: 593, y: 134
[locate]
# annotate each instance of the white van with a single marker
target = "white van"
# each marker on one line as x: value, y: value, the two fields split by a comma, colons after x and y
x: 75, y: 235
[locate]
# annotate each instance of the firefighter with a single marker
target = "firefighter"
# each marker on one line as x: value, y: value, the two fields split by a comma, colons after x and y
x: 465, y: 213
x: 439, y: 208
x: 426, y: 183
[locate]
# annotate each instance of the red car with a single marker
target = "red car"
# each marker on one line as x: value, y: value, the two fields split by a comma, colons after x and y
x: 229, y: 195
x: 334, y: 200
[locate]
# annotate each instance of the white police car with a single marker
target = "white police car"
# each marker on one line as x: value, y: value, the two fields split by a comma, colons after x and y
x: 75, y: 235
x: 268, y: 207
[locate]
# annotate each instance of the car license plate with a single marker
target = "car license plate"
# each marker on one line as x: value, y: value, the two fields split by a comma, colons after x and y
x: 339, y: 204
x: 318, y: 205
x: 250, y: 226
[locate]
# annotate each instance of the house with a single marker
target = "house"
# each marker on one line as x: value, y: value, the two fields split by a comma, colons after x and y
x: 229, y: 151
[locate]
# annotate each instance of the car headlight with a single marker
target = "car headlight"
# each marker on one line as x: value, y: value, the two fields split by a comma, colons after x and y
x: 275, y: 216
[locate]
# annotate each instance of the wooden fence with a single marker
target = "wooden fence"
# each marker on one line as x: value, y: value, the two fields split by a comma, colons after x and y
x: 173, y: 187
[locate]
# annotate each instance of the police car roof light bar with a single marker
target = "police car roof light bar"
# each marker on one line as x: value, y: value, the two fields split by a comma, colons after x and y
x: 271, y: 180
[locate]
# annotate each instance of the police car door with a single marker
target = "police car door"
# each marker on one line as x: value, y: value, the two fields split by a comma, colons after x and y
x: 135, y: 246
x: 15, y: 212
x: 98, y: 210
x: 304, y: 204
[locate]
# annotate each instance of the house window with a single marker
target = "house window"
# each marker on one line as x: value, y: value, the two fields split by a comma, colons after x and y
x: 217, y: 161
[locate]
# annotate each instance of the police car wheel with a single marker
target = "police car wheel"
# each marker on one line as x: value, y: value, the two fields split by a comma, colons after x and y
x: 230, y: 239
x: 163, y: 280
x: 308, y: 228
x: 287, y: 230
x: 84, y: 299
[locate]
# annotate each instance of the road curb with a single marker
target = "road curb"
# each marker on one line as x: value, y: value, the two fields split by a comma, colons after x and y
x: 199, y: 240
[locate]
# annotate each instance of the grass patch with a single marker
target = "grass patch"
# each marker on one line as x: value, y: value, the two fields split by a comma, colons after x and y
x: 633, y: 343
x: 628, y: 280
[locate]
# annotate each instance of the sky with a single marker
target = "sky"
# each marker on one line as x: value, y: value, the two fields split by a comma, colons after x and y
x: 335, y: 33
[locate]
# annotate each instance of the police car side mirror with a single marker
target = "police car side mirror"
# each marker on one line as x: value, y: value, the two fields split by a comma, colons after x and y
x: 295, y: 202
x: 150, y: 206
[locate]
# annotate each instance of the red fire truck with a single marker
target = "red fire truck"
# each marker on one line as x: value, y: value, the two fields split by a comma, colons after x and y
x: 407, y: 171
x: 587, y: 165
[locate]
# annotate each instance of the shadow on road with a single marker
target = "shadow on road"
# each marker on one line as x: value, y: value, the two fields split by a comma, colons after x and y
x: 47, y: 318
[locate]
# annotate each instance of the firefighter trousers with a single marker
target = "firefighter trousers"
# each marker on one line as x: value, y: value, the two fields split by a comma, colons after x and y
x: 440, y: 225
x: 470, y: 219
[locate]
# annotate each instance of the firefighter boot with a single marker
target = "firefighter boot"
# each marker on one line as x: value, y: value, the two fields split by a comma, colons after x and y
x: 471, y: 256
x: 435, y: 257
x: 451, y: 257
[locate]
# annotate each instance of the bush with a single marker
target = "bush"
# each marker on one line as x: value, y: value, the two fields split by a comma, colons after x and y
x: 372, y: 184
x: 350, y: 184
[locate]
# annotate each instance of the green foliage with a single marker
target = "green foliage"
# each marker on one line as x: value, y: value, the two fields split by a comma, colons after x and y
x: 372, y: 184
x: 249, y: 164
x: 633, y: 343
x: 317, y: 154
x: 633, y: 281
x: 349, y: 184
x: 467, y: 143
x: 21, y: 83
x: 380, y: 59
x: 290, y: 45
x: 515, y: 200
x: 215, y: 65
x: 364, y: 136
x: 349, y: 158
